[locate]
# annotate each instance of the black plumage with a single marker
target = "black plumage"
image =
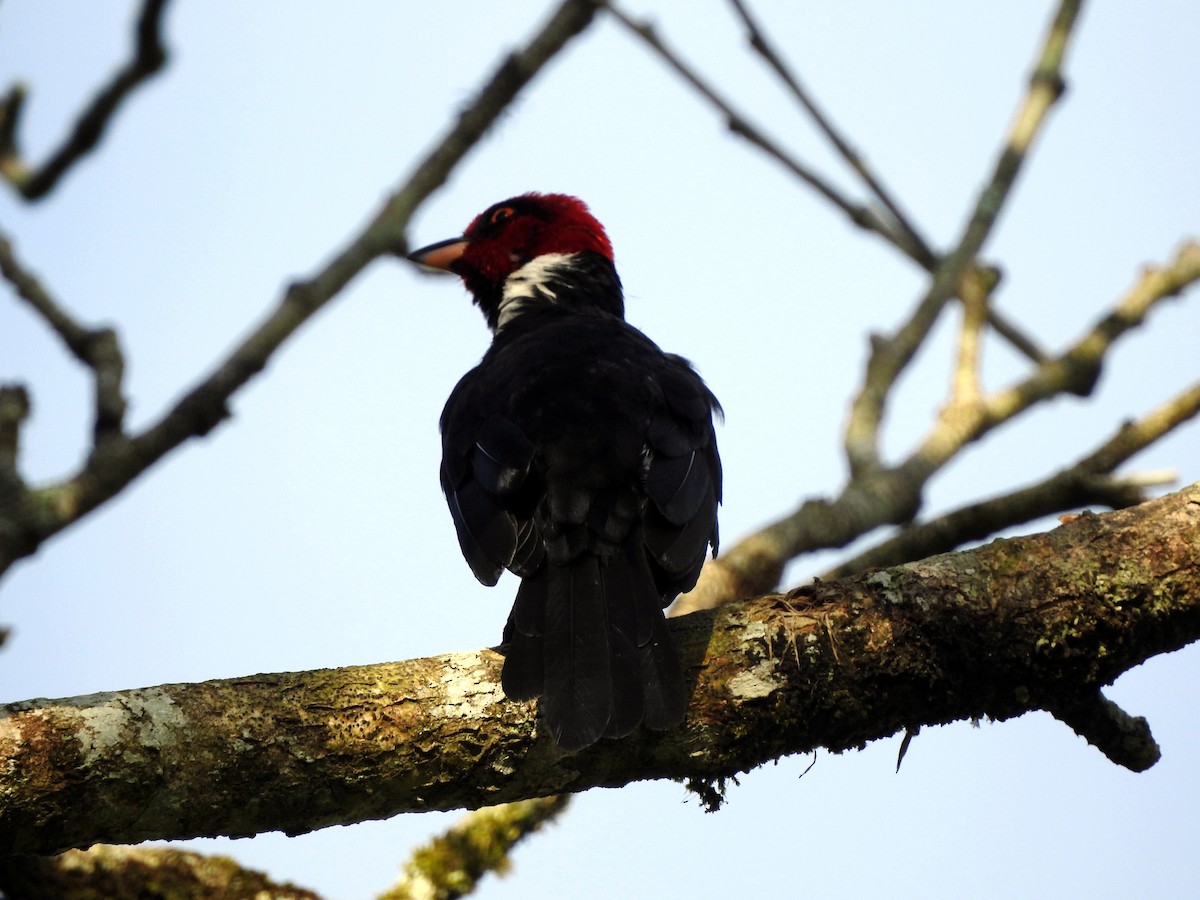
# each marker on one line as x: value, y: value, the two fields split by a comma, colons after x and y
x: 581, y: 457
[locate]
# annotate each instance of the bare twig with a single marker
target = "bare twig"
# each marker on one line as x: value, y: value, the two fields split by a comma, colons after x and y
x: 891, y: 495
x: 974, y: 291
x: 896, y: 227
x: 1078, y: 369
x: 149, y: 57
x: 206, y: 405
x: 861, y: 215
x: 1020, y: 341
x: 911, y: 241
x: 96, y: 348
x: 891, y: 356
x: 1126, y: 740
x: 1089, y: 481
x: 14, y: 409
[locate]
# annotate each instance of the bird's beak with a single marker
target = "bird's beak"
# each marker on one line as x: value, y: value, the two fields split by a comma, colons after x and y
x: 441, y: 255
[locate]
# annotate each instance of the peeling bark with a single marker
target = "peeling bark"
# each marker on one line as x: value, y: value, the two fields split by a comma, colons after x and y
x: 1038, y: 622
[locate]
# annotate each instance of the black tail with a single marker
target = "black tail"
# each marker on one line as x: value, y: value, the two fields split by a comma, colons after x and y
x: 589, y: 636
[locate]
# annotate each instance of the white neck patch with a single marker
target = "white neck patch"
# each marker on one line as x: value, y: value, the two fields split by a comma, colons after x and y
x: 527, y: 285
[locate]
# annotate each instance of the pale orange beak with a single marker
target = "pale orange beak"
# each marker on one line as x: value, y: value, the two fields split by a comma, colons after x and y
x: 442, y: 255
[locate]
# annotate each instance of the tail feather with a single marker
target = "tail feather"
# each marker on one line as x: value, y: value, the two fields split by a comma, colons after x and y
x: 524, y: 673
x: 662, y: 680
x: 661, y: 673
x: 590, y: 638
x: 579, y: 687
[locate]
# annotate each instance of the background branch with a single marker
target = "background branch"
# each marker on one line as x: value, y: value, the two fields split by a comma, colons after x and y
x: 123, y: 459
x: 892, y: 495
x: 451, y: 865
x: 905, y: 234
x: 96, y: 348
x: 890, y: 357
x: 149, y: 58
x: 136, y: 873
x: 861, y: 215
x: 1086, y: 482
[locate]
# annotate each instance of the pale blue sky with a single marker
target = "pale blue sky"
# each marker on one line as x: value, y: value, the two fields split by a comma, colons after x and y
x: 310, y: 531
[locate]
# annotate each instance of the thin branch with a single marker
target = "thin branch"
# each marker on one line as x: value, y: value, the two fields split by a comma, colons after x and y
x: 1020, y: 341
x: 891, y: 356
x: 96, y: 348
x: 1078, y: 369
x: 1088, y: 481
x: 451, y: 865
x: 119, y: 462
x: 149, y: 58
x: 892, y: 495
x: 1124, y: 739
x: 896, y: 227
x: 952, y: 638
x: 915, y: 246
x: 860, y: 215
x: 14, y: 410
x: 974, y: 290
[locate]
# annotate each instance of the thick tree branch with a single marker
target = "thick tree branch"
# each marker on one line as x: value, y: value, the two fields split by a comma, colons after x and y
x: 119, y: 461
x: 149, y: 58
x: 1029, y: 623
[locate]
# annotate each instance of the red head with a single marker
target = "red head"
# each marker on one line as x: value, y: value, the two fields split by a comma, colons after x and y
x: 513, y: 232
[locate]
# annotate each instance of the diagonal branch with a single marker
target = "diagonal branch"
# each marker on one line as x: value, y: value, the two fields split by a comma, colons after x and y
x: 860, y: 215
x: 912, y: 243
x: 891, y: 356
x: 451, y: 865
x: 96, y: 348
x: 119, y: 462
x: 997, y: 631
x: 149, y: 58
x: 892, y: 495
x: 1086, y: 482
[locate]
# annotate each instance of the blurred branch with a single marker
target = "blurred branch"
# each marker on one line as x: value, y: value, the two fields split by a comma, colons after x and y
x: 1089, y: 481
x: 895, y: 227
x: 451, y: 865
x: 891, y: 356
x: 137, y: 873
x: 892, y: 495
x: 904, y: 232
x: 121, y: 459
x: 149, y: 57
x: 96, y: 348
x: 877, y: 494
x: 997, y: 631
x: 861, y: 215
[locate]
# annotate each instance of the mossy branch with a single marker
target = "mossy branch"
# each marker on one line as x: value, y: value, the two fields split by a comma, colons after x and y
x: 1029, y: 623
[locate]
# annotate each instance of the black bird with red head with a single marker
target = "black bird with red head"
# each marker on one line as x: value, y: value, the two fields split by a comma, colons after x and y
x: 581, y: 457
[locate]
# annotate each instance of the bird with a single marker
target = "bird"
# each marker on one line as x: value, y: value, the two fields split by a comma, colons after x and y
x: 583, y: 459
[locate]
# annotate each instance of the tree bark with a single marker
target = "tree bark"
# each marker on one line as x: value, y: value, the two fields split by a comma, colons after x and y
x: 1037, y: 622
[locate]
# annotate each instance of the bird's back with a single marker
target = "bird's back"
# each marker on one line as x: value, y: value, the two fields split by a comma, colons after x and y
x: 582, y: 457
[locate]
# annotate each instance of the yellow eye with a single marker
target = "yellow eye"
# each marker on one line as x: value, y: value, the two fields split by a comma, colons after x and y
x: 504, y: 212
